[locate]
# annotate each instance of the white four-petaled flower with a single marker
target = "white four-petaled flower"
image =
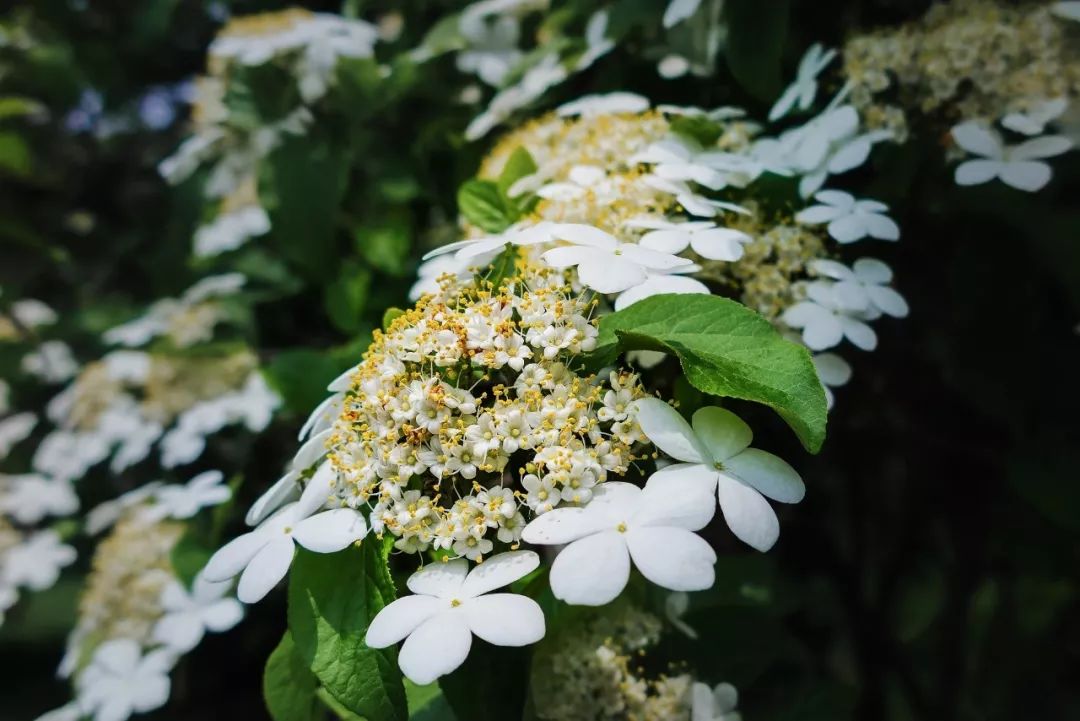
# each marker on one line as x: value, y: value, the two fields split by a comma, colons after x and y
x: 36, y: 563
x: 715, y: 454
x: 1019, y: 166
x: 704, y: 237
x: 655, y: 527
x: 850, y: 219
x: 803, y: 89
x: 120, y: 681
x: 715, y: 704
x: 449, y: 605
x: 188, y: 615
x: 184, y: 501
x: 603, y: 263
x: 826, y: 317
x: 263, y: 556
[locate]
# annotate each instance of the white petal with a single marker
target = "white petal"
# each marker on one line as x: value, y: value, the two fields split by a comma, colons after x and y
x: 673, y: 558
x: 581, y: 234
x: 313, y: 449
x: 872, y: 270
x: 562, y: 525
x: 748, y: 514
x: 318, y: 490
x: 882, y: 227
x: 666, y: 241
x: 231, y: 558
x: 824, y: 332
x: 568, y: 255
x: 722, y: 432
x: 658, y: 284
x: 343, y: 382
x: 832, y: 369
x: 978, y: 140
x: 398, y: 619
x: 611, y: 274
x: 848, y: 229
x: 223, y: 615
x: 1030, y: 175
x: 285, y: 490
x: 817, y: 214
x: 888, y: 301
x: 329, y: 407
x: 265, y: 570
x: 442, y: 579
x: 977, y: 172
x: 591, y: 571
x: 1045, y: 147
x: 859, y: 333
x: 838, y: 199
x: 678, y: 496
x: 498, y: 571
x: 769, y: 474
x: 179, y: 631
x: 850, y: 155
x: 436, y: 648
x: 720, y: 244
x: 669, y: 431
x: 505, y: 619
x: 330, y: 531
x: 151, y: 693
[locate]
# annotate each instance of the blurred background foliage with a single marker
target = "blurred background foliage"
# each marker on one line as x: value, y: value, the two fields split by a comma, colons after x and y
x: 931, y: 572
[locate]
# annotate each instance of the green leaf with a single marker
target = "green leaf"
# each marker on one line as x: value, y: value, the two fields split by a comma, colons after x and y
x: 289, y: 686
x: 725, y: 349
x: 188, y: 557
x: 386, y: 246
x: 301, y: 377
x: 13, y: 106
x: 390, y: 315
x: 698, y: 128
x: 346, y: 297
x: 303, y: 188
x: 332, y: 599
x: 481, y: 202
x: 501, y: 268
x: 427, y: 703
x: 755, y: 45
x: 15, y: 156
x: 519, y: 165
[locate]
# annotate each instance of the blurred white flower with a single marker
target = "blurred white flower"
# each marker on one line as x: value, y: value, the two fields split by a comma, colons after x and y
x: 597, y: 43
x: 1019, y: 166
x: 1035, y: 119
x: 29, y: 498
x: 675, y: 607
x: 449, y: 605
x: 833, y: 372
x: 120, y: 681
x: 106, y: 514
x: 52, y: 362
x: 188, y: 615
x: 36, y: 562
x: 1067, y: 9
x: 231, y: 230
x: 32, y: 313
x: 803, y: 89
x: 850, y: 219
x: 184, y: 501
x: 679, y: 10
x: 863, y: 286
x: 15, y: 429
x: 589, y: 106
x: 717, y: 704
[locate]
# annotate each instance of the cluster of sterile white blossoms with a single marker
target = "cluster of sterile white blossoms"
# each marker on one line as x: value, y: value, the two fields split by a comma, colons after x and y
x: 307, y: 47
x: 136, y: 618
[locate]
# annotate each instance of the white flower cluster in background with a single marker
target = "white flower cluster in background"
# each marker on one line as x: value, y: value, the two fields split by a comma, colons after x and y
x: 186, y: 320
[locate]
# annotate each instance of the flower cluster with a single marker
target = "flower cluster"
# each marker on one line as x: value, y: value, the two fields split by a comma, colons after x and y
x: 467, y: 408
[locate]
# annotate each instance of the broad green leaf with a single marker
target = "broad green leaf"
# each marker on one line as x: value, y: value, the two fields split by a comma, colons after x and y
x: 755, y: 45
x: 345, y: 298
x: 704, y: 131
x: 386, y: 246
x: 188, y: 557
x: 332, y: 599
x: 289, y: 686
x: 725, y: 349
x: 15, y: 158
x: 302, y: 190
x: 484, y: 206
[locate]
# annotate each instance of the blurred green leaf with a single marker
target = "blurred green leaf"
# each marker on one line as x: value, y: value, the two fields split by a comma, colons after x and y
x: 289, y: 686
x: 386, y: 246
x: 755, y: 45
x: 301, y: 377
x: 485, y: 207
x: 346, y: 297
x: 15, y: 157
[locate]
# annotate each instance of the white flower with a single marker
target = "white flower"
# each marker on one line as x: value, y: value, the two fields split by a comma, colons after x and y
x: 654, y: 527
x: 829, y: 144
x: 492, y: 44
x: 803, y: 89
x: 603, y: 263
x: 449, y: 605
x: 52, y: 362
x: 545, y: 74
x: 120, y: 681
x: 32, y: 313
x: 1019, y: 166
x: 863, y: 286
x: 36, y: 563
x: 716, y: 704
x: 849, y: 219
x: 705, y: 238
x: 202, y: 491
x: 188, y: 615
x: 658, y: 283
x: 679, y: 10
x: 694, y: 203
x: 1067, y: 9
x: 31, y: 497
x: 430, y: 270
x: 104, y: 515
x: 231, y: 230
x: 825, y: 318
x: 1035, y: 119
x: 715, y: 453
x: 15, y: 429
x: 682, y: 160
x: 590, y: 106
x: 675, y: 607
x: 263, y: 556
x: 67, y: 712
